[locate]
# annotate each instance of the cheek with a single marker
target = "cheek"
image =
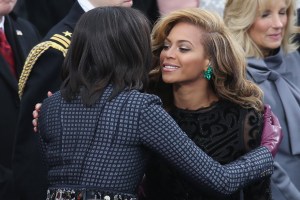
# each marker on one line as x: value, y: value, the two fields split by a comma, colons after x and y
x: 285, y: 21
x: 196, y: 62
x: 260, y: 28
x: 162, y: 57
x: 257, y: 30
x: 6, y: 8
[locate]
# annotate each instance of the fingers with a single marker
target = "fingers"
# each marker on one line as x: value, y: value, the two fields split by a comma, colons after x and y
x: 38, y: 106
x: 49, y: 94
x: 36, y: 111
x: 35, y: 115
x: 34, y: 123
x: 267, y: 112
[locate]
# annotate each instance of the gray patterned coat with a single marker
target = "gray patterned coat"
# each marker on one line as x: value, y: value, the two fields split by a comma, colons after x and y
x: 106, y: 146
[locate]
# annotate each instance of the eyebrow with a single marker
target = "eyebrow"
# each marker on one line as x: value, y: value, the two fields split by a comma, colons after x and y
x: 180, y: 41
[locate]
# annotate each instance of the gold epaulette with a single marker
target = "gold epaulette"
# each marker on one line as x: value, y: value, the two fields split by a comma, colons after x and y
x: 57, y: 41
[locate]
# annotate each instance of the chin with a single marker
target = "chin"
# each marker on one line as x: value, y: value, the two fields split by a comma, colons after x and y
x: 274, y: 47
x: 6, y: 10
x: 168, y: 80
x: 128, y: 4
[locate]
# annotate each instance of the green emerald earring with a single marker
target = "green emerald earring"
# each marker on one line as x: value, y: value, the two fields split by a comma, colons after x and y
x: 208, y: 73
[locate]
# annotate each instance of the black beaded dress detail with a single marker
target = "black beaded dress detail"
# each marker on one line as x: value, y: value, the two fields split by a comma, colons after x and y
x: 225, y: 131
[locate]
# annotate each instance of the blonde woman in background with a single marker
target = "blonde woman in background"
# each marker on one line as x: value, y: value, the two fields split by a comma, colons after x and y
x: 265, y: 29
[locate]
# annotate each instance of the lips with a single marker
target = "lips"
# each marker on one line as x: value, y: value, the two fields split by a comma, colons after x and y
x: 169, y: 68
x: 276, y: 36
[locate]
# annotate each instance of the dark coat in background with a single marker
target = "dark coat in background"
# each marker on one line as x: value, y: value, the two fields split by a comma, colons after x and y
x: 44, y: 14
x: 148, y: 7
x: 40, y: 74
x: 22, y: 36
x: 52, y: 11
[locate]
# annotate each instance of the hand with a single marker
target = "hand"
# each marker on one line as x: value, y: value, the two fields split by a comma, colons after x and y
x: 35, y: 113
x: 272, y: 132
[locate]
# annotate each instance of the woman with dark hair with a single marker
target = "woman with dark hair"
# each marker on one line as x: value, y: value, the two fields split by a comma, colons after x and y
x: 99, y: 129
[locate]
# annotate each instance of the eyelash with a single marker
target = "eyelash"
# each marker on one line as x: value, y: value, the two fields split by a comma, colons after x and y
x: 164, y: 47
x: 181, y: 49
x: 283, y: 13
x: 267, y: 14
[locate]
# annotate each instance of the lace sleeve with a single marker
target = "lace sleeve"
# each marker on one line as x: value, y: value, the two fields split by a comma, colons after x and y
x: 253, y: 126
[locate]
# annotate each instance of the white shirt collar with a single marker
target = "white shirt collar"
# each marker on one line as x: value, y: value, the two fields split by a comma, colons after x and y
x: 2, y: 22
x: 85, y: 5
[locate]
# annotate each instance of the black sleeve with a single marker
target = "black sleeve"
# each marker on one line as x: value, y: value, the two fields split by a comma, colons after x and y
x: 160, y: 133
x: 253, y: 125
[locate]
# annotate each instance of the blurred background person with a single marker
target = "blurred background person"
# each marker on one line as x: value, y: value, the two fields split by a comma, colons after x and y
x: 265, y: 29
x: 165, y: 7
x: 213, y: 5
x: 17, y: 37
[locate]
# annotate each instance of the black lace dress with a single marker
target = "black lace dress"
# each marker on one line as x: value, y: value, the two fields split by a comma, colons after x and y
x: 224, y: 131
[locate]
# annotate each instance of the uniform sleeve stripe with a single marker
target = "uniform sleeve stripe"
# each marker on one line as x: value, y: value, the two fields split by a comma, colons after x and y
x: 63, y: 40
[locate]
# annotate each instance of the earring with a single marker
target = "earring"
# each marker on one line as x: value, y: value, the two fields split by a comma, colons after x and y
x: 208, y: 73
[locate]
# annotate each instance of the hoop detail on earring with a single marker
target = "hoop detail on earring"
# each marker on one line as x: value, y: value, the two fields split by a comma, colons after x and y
x: 208, y: 73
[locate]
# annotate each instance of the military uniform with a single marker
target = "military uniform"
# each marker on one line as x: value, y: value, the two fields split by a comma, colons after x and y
x: 41, y: 73
x: 21, y: 36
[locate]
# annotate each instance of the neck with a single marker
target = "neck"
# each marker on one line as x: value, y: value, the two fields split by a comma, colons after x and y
x: 193, y: 98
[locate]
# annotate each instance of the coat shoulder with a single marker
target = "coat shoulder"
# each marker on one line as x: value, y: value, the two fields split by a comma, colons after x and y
x: 59, y: 41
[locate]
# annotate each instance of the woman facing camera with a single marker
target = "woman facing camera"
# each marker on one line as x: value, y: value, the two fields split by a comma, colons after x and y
x: 201, y: 78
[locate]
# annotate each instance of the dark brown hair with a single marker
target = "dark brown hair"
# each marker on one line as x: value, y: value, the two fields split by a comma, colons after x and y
x: 110, y: 45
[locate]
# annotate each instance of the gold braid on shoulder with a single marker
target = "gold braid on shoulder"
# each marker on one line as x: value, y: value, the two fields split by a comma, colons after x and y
x: 57, y: 41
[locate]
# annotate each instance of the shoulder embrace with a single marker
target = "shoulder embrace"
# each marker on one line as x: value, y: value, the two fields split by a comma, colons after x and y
x: 145, y: 98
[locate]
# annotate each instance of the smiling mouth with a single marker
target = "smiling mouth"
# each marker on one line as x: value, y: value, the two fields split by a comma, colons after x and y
x: 170, y: 67
x: 275, y: 36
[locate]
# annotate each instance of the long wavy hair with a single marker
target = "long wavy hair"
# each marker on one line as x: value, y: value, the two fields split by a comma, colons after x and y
x: 226, y: 56
x: 110, y: 45
x: 239, y: 15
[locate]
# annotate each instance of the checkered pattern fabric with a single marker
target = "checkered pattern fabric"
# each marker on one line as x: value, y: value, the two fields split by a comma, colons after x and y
x: 107, y: 145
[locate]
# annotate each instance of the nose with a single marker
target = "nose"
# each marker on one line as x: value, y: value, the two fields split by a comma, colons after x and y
x: 277, y: 21
x: 170, y: 52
